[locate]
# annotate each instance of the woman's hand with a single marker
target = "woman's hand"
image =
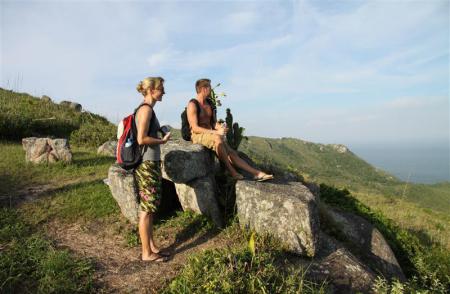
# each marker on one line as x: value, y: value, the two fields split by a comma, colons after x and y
x: 166, y: 138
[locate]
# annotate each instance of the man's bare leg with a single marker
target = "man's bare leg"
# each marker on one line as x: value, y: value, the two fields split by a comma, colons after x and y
x: 242, y: 164
x: 223, y: 156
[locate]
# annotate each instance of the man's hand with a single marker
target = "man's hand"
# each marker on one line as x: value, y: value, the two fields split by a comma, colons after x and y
x: 166, y: 138
x: 222, y: 130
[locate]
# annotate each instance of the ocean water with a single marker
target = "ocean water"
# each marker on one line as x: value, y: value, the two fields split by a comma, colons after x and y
x: 426, y: 163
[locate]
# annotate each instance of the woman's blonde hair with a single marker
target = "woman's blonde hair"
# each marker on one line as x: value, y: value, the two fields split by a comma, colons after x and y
x: 149, y: 83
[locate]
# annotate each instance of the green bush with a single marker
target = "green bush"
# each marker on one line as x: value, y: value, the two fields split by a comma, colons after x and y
x: 22, y: 115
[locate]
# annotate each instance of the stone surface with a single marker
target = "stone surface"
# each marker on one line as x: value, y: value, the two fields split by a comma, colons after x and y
x: 345, y: 272
x: 72, y: 105
x: 199, y: 196
x: 287, y: 211
x: 184, y: 161
x: 123, y: 188
x: 108, y: 148
x: 46, y: 150
x: 367, y: 242
x: 45, y: 98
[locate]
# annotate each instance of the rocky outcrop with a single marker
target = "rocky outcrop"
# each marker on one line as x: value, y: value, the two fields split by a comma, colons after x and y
x: 287, y: 211
x: 199, y: 195
x: 46, y: 150
x: 184, y: 161
x: 72, y: 105
x: 45, y: 98
x: 108, y: 149
x: 189, y: 167
x: 336, y: 264
x: 123, y: 188
x: 366, y: 241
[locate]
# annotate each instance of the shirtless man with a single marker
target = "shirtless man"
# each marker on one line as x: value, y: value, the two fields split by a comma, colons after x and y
x: 206, y: 131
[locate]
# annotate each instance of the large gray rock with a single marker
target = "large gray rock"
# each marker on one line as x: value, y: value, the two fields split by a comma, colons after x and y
x: 108, y: 148
x: 287, y: 211
x: 72, y: 105
x: 45, y: 98
x: 123, y: 188
x: 345, y: 272
x: 367, y: 242
x: 184, y: 161
x: 46, y: 150
x: 199, y: 196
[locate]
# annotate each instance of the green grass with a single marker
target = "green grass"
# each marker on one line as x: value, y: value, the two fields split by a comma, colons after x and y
x: 22, y: 115
x: 424, y: 262
x: 29, y: 263
x: 16, y: 174
x: 242, y: 270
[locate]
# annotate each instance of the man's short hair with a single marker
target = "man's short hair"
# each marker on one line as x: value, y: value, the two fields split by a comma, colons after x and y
x: 202, y: 83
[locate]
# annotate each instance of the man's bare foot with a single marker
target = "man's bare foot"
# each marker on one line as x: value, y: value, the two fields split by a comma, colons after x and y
x: 262, y: 176
x: 237, y: 176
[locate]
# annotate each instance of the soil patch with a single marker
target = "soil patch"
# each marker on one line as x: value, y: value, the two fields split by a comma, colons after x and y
x: 118, y: 267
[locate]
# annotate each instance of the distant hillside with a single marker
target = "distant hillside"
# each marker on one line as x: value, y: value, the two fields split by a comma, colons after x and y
x: 338, y: 166
x: 22, y: 115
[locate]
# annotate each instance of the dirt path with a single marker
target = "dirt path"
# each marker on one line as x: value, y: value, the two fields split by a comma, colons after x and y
x: 118, y: 268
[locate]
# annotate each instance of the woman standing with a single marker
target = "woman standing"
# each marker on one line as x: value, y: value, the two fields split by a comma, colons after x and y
x: 148, y: 173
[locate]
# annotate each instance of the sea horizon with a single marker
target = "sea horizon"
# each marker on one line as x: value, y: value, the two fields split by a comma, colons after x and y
x: 424, y: 162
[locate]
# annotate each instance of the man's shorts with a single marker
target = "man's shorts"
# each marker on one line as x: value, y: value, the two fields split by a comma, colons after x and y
x: 149, y: 182
x: 208, y: 140
x: 205, y: 139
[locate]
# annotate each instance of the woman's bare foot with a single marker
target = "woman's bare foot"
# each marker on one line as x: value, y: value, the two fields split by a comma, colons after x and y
x: 155, y: 257
x: 156, y: 250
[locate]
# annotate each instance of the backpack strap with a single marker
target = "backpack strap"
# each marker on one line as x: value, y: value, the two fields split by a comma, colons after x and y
x: 153, y: 115
x: 142, y: 104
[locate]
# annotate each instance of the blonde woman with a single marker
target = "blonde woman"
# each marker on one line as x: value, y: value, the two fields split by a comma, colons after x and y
x: 148, y: 173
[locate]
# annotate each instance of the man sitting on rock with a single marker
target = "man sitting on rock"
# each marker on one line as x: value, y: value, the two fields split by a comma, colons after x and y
x: 206, y: 131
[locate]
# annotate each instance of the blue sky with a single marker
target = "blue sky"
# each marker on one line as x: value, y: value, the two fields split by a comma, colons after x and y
x: 349, y: 72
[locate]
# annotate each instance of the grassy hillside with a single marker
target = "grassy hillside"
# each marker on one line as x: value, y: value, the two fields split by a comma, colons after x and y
x: 325, y: 164
x: 22, y: 115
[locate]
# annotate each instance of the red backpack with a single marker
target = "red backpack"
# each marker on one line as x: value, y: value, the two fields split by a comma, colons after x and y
x: 128, y: 150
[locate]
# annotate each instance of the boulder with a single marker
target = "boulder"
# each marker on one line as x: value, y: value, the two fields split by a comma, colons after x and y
x: 366, y: 241
x: 184, y: 161
x: 345, y: 272
x: 123, y: 188
x: 76, y: 106
x: 72, y: 105
x: 45, y: 98
x: 287, y: 211
x: 108, y: 148
x: 46, y: 150
x: 199, y: 195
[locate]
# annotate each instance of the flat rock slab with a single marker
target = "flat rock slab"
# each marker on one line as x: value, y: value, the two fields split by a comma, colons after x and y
x: 184, y: 161
x: 199, y: 196
x: 287, y: 211
x: 367, y: 242
x: 123, y: 188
